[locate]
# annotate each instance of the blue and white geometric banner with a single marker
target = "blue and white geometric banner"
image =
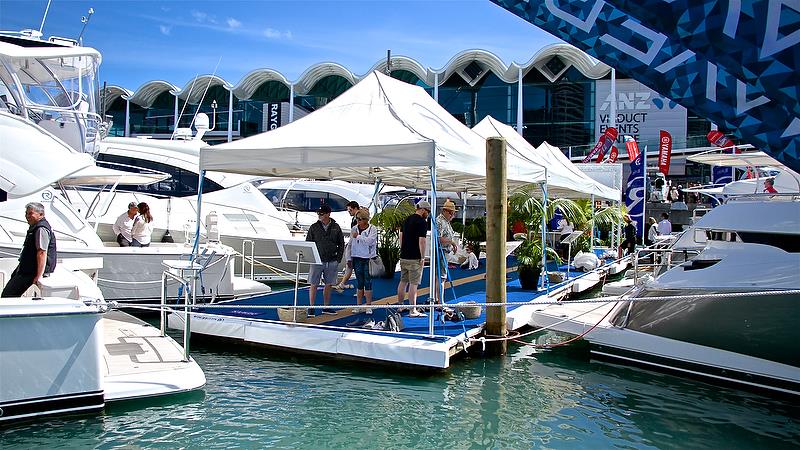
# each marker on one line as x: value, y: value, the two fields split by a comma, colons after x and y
x: 755, y: 40
x: 634, y: 193
x: 674, y: 71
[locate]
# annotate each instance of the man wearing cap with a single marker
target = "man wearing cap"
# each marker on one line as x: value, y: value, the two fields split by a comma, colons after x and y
x: 124, y: 224
x: 412, y: 255
x: 328, y: 236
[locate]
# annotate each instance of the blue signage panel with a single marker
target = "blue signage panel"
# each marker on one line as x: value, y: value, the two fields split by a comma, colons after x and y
x: 670, y: 69
x: 755, y: 40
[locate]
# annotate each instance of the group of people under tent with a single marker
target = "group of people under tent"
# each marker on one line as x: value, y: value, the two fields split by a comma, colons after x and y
x: 361, y: 251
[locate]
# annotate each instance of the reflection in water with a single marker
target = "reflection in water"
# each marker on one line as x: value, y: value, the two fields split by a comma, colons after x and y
x: 528, y: 399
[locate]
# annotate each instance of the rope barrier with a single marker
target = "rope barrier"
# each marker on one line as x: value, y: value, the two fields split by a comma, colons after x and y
x: 601, y: 300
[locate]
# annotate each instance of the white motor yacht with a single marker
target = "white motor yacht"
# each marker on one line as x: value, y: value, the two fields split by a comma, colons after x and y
x: 62, y: 350
x: 727, y: 315
x: 245, y: 220
x: 128, y: 274
x: 297, y: 200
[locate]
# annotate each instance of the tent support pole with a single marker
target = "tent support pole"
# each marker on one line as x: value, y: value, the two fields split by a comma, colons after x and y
x: 545, y: 281
x: 591, y: 205
x: 464, y: 220
x: 434, y: 274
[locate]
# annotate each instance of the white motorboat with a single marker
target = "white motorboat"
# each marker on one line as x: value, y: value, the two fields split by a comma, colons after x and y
x: 55, y: 87
x: 62, y: 351
x: 245, y: 220
x: 128, y: 274
x: 727, y: 315
x: 298, y: 200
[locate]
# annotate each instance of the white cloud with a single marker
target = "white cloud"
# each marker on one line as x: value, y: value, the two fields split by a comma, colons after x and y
x: 233, y: 23
x: 272, y: 33
x: 199, y: 15
x: 165, y: 30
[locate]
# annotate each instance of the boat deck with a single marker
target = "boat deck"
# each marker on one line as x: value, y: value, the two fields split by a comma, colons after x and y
x: 139, y: 362
x: 347, y: 333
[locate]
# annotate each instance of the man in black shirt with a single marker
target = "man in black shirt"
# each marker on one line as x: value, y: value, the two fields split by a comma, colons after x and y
x: 412, y: 255
x: 329, y: 238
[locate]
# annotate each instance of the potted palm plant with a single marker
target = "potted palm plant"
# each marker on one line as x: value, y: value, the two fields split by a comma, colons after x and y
x: 591, y: 218
x: 389, y: 222
x: 527, y: 207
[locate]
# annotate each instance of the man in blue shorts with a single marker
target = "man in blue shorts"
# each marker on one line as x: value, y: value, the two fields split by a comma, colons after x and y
x: 328, y: 236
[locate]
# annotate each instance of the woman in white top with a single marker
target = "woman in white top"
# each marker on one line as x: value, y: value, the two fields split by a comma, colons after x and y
x: 363, y: 247
x: 142, y: 229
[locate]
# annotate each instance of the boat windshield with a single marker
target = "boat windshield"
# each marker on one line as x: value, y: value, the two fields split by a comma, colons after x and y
x: 60, y: 94
x: 67, y: 82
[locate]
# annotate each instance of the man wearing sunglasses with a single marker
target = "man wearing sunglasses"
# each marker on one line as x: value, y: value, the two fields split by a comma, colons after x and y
x: 328, y: 236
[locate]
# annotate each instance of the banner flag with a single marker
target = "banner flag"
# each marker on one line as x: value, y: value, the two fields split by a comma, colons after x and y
x: 720, y: 175
x: 716, y: 137
x: 600, y: 156
x: 634, y: 192
x: 664, y: 151
x: 632, y: 147
x: 604, y: 143
x: 612, y: 158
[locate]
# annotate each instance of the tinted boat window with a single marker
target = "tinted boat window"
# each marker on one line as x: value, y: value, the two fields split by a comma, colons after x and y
x: 182, y: 182
x: 789, y: 243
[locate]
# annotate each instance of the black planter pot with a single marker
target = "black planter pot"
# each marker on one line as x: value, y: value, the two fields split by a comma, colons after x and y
x: 389, y: 265
x: 529, y: 277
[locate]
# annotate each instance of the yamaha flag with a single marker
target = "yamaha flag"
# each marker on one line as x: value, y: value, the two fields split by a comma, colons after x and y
x: 603, y: 144
x: 634, y: 193
x: 664, y: 151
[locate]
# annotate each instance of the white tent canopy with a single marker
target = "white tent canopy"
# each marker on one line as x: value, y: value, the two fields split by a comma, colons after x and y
x: 380, y: 128
x: 563, y: 178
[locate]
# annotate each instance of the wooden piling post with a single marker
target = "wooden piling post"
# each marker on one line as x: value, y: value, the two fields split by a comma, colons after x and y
x: 496, y: 204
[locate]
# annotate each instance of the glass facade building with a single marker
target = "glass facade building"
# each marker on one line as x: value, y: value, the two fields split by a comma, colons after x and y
x: 559, y: 85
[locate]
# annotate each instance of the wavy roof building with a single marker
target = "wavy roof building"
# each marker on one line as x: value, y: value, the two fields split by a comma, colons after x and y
x: 557, y: 86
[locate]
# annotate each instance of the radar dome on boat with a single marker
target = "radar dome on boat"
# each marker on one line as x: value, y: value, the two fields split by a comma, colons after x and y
x: 201, y: 122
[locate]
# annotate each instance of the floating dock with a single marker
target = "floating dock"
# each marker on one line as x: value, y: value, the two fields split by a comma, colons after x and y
x: 349, y: 335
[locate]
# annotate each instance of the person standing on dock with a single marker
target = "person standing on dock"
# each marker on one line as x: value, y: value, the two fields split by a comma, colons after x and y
x: 38, y: 256
x: 124, y: 225
x: 328, y: 236
x: 665, y: 226
x: 629, y: 233
x: 447, y: 240
x: 352, y: 209
x: 412, y: 255
x: 363, y: 247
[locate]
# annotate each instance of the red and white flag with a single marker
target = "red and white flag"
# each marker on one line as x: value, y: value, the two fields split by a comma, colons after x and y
x: 604, y: 143
x: 664, y: 151
x: 632, y: 147
x: 612, y: 158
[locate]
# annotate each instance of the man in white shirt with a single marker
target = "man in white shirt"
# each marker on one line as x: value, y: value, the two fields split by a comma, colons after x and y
x: 665, y: 226
x: 122, y: 227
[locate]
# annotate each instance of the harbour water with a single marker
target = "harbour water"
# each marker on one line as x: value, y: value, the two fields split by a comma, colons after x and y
x: 527, y: 399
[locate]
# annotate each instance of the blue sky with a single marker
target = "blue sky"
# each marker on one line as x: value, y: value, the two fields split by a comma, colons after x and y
x: 177, y: 40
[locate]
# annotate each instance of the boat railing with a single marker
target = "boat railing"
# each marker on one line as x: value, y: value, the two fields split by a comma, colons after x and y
x: 657, y: 259
x: 761, y: 196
